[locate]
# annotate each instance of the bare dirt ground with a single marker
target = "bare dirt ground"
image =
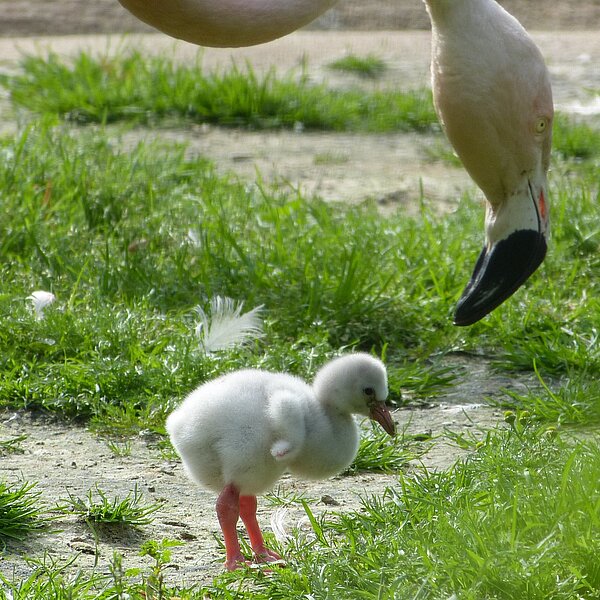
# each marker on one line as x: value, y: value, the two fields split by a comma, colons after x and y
x: 393, y: 169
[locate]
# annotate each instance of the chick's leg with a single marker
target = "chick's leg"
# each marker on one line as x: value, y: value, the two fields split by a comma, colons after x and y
x: 228, y: 513
x: 247, y: 506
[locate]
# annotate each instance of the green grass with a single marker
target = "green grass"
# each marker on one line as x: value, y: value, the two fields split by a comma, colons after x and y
x: 573, y: 402
x: 369, y: 66
x: 518, y: 519
x: 130, y: 87
x: 119, y: 448
x: 98, y: 509
x: 21, y: 511
x: 131, y: 241
x: 12, y: 445
x: 122, y: 325
x: 576, y: 140
x: 281, y: 496
x: 379, y: 452
x: 50, y: 577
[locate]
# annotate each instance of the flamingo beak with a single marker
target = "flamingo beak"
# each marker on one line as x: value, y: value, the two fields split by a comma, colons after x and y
x: 378, y: 411
x: 517, y: 244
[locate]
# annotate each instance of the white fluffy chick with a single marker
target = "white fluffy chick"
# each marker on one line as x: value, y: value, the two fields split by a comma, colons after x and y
x: 239, y: 433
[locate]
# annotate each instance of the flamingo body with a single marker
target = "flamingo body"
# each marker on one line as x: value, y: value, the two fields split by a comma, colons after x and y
x: 227, y: 23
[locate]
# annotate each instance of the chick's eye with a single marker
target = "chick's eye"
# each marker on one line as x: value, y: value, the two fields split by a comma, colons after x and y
x: 369, y: 391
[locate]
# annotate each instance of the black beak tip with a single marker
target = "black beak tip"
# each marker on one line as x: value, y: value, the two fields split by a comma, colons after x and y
x: 499, y: 273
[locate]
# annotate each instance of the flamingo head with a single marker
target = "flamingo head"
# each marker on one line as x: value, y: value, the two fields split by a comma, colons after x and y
x: 517, y: 227
x: 516, y: 246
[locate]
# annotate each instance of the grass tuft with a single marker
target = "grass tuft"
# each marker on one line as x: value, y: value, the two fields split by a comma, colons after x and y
x: 574, y: 400
x: 21, y: 511
x: 379, y: 453
x: 369, y: 66
x: 98, y: 509
x: 12, y: 445
x: 51, y: 577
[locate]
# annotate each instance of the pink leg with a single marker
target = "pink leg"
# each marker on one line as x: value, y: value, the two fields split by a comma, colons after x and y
x: 247, y: 506
x: 228, y: 513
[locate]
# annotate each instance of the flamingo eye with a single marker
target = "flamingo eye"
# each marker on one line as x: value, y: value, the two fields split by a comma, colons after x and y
x: 541, y: 125
x: 369, y: 391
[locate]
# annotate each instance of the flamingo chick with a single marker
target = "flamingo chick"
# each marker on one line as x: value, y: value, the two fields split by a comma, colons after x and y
x: 492, y: 92
x: 239, y: 433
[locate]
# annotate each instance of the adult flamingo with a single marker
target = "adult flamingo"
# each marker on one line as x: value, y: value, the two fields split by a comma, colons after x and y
x: 492, y: 94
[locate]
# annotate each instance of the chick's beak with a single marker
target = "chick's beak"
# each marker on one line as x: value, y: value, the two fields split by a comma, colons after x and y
x: 378, y: 411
